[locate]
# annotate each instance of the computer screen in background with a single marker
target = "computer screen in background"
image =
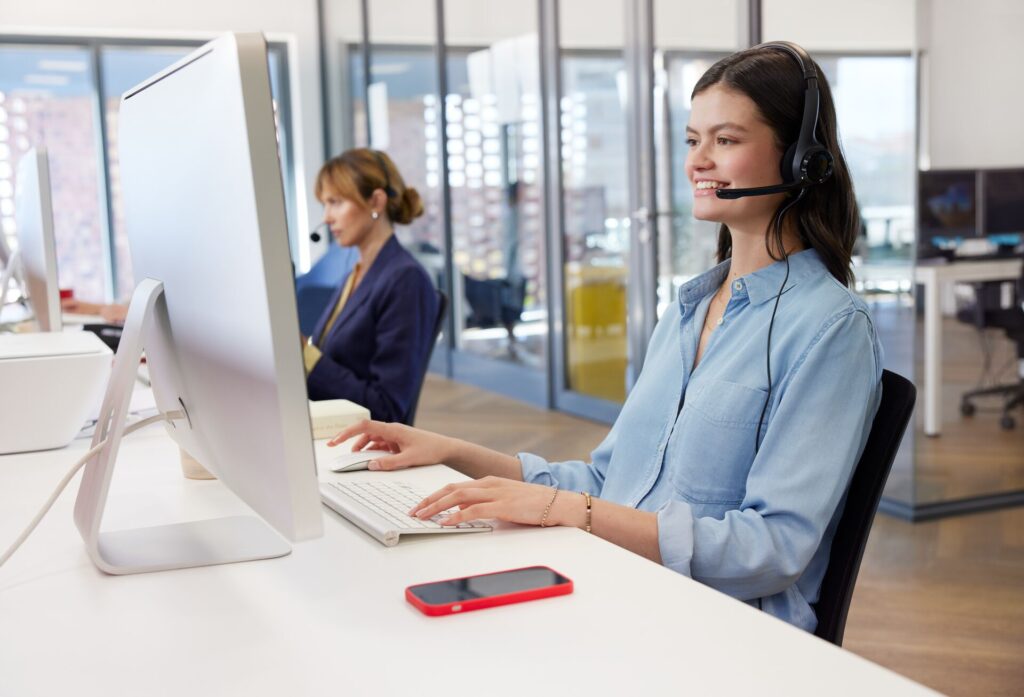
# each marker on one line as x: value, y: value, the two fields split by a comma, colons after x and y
x: 947, y: 209
x: 1003, y: 202
x: 37, y: 250
x: 215, y: 312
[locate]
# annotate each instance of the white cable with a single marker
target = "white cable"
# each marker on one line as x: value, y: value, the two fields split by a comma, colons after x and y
x: 74, y: 470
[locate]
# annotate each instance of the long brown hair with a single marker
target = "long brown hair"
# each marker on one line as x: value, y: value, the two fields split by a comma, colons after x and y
x: 826, y: 217
x: 355, y: 174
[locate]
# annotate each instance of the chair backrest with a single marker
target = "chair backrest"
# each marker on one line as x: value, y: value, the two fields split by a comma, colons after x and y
x: 898, y: 396
x: 442, y: 311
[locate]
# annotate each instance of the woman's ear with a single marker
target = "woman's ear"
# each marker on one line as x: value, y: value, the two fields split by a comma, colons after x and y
x: 379, y: 200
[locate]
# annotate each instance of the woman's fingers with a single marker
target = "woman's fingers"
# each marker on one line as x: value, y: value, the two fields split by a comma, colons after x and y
x: 398, y: 461
x: 373, y: 429
x: 476, y: 511
x: 440, y: 493
x: 360, y: 443
x: 459, y: 494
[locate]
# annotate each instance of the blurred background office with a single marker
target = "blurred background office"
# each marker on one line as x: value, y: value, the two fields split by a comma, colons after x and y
x: 546, y: 139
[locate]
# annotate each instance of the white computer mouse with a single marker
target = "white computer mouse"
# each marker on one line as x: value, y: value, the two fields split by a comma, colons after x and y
x: 350, y: 462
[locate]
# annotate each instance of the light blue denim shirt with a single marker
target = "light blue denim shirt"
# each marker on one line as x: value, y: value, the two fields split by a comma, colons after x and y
x: 757, y: 527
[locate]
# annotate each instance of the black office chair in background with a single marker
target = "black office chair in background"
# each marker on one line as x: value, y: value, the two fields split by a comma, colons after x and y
x: 987, y: 313
x: 898, y: 395
x: 495, y: 302
x: 442, y: 311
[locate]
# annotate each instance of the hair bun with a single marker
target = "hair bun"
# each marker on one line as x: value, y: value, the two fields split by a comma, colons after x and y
x: 408, y: 207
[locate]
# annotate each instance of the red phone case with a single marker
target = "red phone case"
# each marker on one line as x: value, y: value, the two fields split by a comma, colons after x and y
x: 461, y: 606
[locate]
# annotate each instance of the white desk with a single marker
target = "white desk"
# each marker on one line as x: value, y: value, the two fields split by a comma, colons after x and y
x: 932, y: 277
x: 331, y: 618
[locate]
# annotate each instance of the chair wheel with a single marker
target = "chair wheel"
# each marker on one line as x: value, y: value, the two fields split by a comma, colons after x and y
x: 1007, y: 423
x: 966, y: 408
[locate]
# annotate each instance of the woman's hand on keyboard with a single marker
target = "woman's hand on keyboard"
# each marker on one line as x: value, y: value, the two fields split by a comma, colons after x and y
x: 409, y: 446
x: 498, y: 499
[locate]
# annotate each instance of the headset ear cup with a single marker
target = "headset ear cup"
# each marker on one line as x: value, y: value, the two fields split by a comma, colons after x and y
x: 817, y: 165
x: 789, y: 166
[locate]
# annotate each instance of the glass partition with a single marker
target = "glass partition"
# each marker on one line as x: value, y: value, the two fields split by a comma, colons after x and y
x: 595, y: 205
x: 493, y: 143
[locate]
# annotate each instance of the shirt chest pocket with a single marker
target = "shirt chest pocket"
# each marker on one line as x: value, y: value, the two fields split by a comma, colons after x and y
x: 713, y: 444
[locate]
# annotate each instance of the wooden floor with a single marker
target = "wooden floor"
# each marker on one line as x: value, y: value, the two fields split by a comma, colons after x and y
x: 940, y: 602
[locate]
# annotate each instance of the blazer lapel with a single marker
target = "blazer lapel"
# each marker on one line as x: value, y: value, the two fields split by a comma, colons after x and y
x: 365, y: 288
x: 321, y: 323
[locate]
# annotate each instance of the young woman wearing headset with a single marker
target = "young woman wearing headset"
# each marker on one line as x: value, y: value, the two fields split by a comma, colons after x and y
x: 730, y: 459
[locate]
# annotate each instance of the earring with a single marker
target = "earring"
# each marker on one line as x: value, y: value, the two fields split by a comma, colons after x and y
x: 374, y: 215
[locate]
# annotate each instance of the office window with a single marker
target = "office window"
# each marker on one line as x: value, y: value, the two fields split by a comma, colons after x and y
x: 596, y: 214
x: 406, y: 128
x: 879, y: 148
x: 494, y: 168
x: 46, y: 98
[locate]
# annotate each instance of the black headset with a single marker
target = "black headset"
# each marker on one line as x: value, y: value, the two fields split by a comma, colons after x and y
x: 388, y: 191
x: 806, y: 162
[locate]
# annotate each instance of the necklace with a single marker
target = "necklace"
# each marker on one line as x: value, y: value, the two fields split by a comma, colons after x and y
x: 708, y: 322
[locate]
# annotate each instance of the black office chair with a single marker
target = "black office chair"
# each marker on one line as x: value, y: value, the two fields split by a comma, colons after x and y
x: 495, y: 302
x: 442, y: 311
x: 987, y: 313
x: 898, y: 395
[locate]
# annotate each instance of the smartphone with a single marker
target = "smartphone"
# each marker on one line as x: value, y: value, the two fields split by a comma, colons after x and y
x: 487, y: 590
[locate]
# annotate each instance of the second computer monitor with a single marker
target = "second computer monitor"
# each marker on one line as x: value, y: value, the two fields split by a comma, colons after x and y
x: 37, y: 249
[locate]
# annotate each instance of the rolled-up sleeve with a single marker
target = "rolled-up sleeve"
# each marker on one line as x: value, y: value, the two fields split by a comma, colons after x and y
x: 815, y: 435
x: 573, y: 475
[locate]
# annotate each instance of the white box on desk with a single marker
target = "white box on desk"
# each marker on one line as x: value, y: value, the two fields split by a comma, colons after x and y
x: 50, y: 382
x: 329, y: 416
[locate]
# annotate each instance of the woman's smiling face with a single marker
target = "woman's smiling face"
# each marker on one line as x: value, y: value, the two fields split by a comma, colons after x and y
x: 730, y: 146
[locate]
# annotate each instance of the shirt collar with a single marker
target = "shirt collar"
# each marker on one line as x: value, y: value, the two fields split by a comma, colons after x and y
x: 762, y: 285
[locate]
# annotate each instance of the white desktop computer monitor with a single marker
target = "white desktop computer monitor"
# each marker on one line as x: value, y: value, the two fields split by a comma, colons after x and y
x: 37, y: 249
x: 215, y: 313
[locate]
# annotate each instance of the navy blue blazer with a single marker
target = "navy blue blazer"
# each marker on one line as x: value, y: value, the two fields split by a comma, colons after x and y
x: 377, y: 349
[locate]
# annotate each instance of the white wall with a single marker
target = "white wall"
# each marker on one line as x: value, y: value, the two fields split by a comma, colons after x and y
x: 841, y: 25
x: 972, y: 111
x: 699, y: 24
x: 293, y: 22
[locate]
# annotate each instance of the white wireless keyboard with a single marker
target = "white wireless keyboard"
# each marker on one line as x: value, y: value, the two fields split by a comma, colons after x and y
x: 381, y: 508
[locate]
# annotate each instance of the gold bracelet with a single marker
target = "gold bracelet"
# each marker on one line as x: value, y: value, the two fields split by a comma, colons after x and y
x: 587, y: 497
x: 547, y: 509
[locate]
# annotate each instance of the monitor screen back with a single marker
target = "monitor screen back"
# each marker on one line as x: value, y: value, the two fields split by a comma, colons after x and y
x: 33, y: 209
x: 205, y: 212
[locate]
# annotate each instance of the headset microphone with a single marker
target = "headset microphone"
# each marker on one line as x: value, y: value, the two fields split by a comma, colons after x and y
x: 315, y: 233
x: 758, y: 191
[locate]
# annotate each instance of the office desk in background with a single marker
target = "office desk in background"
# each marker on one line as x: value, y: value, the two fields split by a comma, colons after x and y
x: 331, y: 617
x: 933, y: 276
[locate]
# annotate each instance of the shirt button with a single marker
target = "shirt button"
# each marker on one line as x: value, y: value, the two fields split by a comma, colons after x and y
x: 738, y: 285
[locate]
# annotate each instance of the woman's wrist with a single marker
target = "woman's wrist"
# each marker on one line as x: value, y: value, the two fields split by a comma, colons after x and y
x: 569, y: 510
x: 452, y: 451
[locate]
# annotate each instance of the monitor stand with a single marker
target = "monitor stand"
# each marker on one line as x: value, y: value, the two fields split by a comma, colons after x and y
x: 177, y: 546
